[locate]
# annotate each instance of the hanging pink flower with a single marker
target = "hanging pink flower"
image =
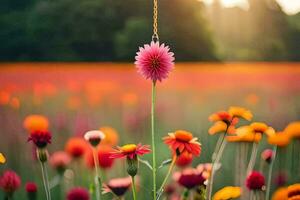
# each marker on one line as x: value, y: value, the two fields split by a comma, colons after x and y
x: 154, y: 61
x: 10, y: 182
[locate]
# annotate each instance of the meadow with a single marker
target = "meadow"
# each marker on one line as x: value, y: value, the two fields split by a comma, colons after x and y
x: 77, y: 97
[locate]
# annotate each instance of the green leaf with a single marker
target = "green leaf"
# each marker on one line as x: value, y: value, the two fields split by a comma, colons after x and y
x: 145, y: 162
x: 165, y: 162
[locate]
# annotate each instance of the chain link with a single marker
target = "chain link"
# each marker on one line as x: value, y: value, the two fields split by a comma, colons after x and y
x: 155, y: 19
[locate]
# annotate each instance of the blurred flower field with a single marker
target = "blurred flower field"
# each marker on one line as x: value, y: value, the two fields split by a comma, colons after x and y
x: 113, y: 98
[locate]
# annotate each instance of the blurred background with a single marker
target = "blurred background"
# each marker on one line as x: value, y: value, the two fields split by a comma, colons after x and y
x: 104, y: 30
x: 100, y: 87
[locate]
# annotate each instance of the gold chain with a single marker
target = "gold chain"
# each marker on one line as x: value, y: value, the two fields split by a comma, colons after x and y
x: 155, y: 18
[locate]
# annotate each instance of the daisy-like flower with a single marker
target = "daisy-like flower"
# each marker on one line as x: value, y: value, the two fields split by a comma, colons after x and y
x: 181, y: 141
x: 94, y: 137
x: 280, y: 194
x: 10, y: 182
x: 2, y: 159
x: 244, y: 134
x: 130, y: 151
x: 267, y: 155
x: 240, y: 112
x: 40, y: 138
x: 294, y: 192
x: 227, y: 193
x: 78, y: 193
x: 223, y: 122
x: 76, y: 147
x: 280, y: 139
x: 36, y: 123
x: 255, y: 181
x: 31, y: 190
x: 111, y: 136
x: 154, y: 61
x: 117, y: 186
x: 59, y: 161
x: 293, y: 129
x: 189, y: 178
x: 103, y: 152
x: 184, y: 159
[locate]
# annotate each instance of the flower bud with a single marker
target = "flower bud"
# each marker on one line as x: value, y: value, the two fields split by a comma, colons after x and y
x: 132, y: 166
x: 42, y: 154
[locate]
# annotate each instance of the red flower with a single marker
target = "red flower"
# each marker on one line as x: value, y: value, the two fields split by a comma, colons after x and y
x: 105, y: 161
x: 76, y: 147
x: 40, y: 138
x: 189, y: 178
x: 10, y: 181
x: 31, y: 187
x: 130, y: 151
x: 78, y: 193
x: 118, y: 186
x: 184, y: 159
x: 255, y: 181
x: 183, y: 141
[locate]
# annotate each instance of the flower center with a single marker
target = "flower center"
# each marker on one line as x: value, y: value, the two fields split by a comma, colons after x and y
x: 129, y: 148
x: 155, y: 62
x: 183, y: 136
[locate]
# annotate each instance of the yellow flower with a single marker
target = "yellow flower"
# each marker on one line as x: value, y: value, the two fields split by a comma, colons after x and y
x: 280, y: 139
x: 293, y: 129
x: 244, y: 134
x: 240, y: 112
x: 293, y: 192
x: 228, y: 193
x: 2, y: 159
x: 218, y: 127
x: 280, y: 194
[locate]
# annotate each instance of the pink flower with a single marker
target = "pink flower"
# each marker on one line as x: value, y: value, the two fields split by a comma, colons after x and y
x: 267, y: 155
x: 31, y: 187
x: 130, y: 151
x: 78, y: 193
x: 255, y: 181
x: 154, y: 61
x: 60, y: 160
x: 10, y: 182
x: 117, y: 186
x: 189, y: 178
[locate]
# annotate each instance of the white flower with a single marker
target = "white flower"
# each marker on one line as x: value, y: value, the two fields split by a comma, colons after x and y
x: 94, y: 137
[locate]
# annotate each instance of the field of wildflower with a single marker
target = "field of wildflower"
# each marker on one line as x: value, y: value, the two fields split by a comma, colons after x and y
x: 220, y: 131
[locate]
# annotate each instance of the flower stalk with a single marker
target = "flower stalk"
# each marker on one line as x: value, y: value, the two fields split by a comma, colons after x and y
x: 42, y: 156
x: 98, y: 182
x: 252, y: 158
x: 133, y: 188
x: 270, y: 173
x: 153, y: 94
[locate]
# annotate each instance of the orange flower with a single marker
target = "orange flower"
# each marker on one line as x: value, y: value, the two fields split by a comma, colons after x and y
x: 293, y: 129
x: 240, y: 113
x: 224, y: 122
x: 227, y: 193
x: 294, y: 192
x: 2, y: 159
x: 76, y: 147
x: 111, y: 136
x: 36, y: 123
x: 183, y: 141
x: 221, y: 127
x: 280, y: 194
x: 130, y: 151
x: 244, y: 134
x: 280, y: 139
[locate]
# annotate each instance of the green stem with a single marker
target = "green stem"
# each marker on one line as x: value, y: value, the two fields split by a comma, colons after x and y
x: 45, y: 181
x: 216, y: 161
x: 185, y: 194
x: 252, y: 158
x: 167, y: 176
x: 153, y: 141
x: 219, y: 142
x: 133, y: 188
x: 270, y: 173
x: 98, y: 183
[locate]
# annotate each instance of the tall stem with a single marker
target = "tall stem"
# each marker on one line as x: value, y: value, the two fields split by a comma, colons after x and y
x: 167, y: 176
x: 45, y: 181
x: 133, y: 188
x: 98, y: 183
x: 218, y: 158
x: 219, y: 142
x: 153, y: 140
x: 270, y: 174
x: 252, y: 158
